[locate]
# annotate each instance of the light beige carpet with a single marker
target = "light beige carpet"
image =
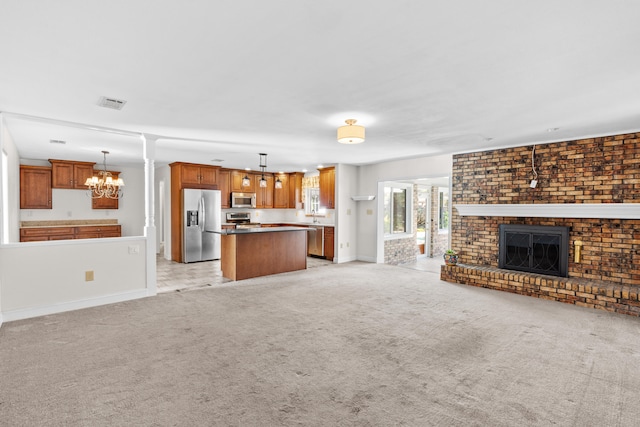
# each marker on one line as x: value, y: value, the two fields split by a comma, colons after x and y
x: 346, y: 345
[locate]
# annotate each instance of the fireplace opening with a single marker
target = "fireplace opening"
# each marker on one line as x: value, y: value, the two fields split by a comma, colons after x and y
x: 534, y: 248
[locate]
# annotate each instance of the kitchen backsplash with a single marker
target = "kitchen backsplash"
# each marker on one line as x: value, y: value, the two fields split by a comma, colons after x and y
x: 284, y: 215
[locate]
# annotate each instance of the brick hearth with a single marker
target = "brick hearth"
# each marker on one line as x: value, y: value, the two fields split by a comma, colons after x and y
x: 582, y: 292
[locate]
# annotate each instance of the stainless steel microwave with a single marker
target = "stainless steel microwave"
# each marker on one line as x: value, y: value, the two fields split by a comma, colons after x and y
x: 243, y: 200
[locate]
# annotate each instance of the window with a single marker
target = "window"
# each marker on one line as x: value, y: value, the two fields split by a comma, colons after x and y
x: 397, y: 209
x: 443, y: 209
x: 312, y: 201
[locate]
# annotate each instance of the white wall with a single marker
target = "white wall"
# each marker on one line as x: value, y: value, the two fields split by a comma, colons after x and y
x: 47, y: 277
x: 75, y: 205
x: 346, y: 237
x: 162, y: 176
x: 369, y: 241
x: 14, y: 184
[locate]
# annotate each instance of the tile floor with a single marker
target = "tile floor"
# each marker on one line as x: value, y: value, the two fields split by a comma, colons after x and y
x: 178, y: 277
x: 431, y: 265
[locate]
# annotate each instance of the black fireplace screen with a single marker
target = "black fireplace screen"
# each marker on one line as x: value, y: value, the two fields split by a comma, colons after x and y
x: 534, y: 248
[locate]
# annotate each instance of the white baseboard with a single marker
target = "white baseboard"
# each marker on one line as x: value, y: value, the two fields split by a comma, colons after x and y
x: 26, y: 313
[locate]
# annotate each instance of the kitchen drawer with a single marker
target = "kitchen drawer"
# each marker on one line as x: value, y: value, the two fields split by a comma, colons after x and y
x: 46, y: 231
x: 97, y: 231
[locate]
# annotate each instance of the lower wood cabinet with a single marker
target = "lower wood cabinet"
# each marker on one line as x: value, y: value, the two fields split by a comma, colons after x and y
x: 328, y: 243
x: 97, y: 231
x: 46, y: 233
x: 39, y: 234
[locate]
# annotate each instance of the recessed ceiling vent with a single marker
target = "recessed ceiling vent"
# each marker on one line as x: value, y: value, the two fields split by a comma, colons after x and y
x: 115, y: 104
x: 57, y: 141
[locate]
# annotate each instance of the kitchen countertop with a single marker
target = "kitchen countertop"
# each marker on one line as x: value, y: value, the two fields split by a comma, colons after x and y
x: 68, y: 223
x: 317, y: 224
x: 257, y: 230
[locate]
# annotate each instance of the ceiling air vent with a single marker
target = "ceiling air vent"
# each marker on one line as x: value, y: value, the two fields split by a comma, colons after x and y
x: 57, y: 141
x: 115, y: 104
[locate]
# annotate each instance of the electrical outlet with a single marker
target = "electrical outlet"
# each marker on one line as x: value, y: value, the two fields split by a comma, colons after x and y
x: 88, y: 276
x: 369, y: 211
x: 134, y: 249
x: 348, y: 211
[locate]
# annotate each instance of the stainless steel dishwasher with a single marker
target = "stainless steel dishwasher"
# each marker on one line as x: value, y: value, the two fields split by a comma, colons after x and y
x: 315, y: 241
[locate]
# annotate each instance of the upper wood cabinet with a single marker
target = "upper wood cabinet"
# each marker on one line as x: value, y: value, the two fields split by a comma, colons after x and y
x: 199, y: 175
x: 102, y: 202
x: 236, y: 182
x: 281, y: 195
x: 328, y: 187
x: 264, y: 195
x: 295, y: 190
x: 70, y: 174
x: 224, y: 175
x: 35, y: 187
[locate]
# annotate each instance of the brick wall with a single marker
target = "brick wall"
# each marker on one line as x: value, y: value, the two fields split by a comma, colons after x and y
x: 594, y: 170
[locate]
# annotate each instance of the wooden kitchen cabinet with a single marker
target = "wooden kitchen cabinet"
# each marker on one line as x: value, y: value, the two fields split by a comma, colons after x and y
x: 327, y: 188
x: 46, y: 233
x: 281, y: 195
x: 264, y: 195
x: 39, y: 234
x: 97, y: 231
x: 224, y: 175
x: 236, y: 182
x: 295, y: 190
x: 199, y: 175
x: 35, y: 187
x: 329, y: 243
x: 70, y: 174
x: 104, y: 203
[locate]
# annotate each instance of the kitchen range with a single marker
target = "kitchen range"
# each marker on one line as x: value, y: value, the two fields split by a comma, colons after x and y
x: 241, y: 220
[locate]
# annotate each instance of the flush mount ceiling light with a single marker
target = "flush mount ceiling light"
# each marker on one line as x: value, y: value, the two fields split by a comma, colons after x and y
x: 351, y: 133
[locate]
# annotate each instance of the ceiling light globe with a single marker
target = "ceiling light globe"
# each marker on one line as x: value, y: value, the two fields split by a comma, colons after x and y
x: 351, y: 133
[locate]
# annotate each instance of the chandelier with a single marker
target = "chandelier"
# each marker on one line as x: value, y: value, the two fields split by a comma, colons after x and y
x: 103, y: 185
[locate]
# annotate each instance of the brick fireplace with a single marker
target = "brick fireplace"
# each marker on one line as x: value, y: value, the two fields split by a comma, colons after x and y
x: 591, y: 186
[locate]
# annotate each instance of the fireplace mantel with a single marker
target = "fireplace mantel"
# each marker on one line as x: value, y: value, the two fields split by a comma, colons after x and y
x: 553, y: 210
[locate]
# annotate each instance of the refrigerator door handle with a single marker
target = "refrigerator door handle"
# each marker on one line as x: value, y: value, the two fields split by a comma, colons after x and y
x: 202, y: 214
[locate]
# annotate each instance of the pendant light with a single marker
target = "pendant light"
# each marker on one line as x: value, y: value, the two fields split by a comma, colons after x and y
x: 263, y: 165
x: 246, y: 181
x: 351, y: 133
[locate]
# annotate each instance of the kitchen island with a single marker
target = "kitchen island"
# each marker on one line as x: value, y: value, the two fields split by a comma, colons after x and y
x: 255, y: 252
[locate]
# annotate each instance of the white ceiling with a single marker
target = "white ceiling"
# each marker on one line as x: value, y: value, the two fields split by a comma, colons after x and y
x: 228, y: 79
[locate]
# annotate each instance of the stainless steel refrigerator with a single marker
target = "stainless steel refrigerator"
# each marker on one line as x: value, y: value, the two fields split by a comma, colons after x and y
x: 202, y: 215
